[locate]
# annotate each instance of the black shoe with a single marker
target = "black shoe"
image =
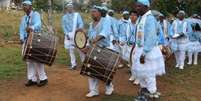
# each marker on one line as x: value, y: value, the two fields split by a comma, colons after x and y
x: 143, y: 91
x: 140, y: 98
x: 42, y: 83
x: 30, y: 83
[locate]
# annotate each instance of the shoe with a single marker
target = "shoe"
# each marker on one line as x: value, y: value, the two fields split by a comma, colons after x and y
x: 177, y: 66
x: 154, y: 95
x: 73, y: 68
x: 195, y: 63
x: 30, y: 83
x: 108, y: 92
x: 136, y: 82
x: 42, y: 83
x: 143, y: 91
x: 132, y: 78
x: 189, y: 63
x: 181, y: 67
x: 140, y: 98
x: 92, y: 94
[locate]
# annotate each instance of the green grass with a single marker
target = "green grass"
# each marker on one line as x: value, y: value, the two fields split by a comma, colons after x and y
x: 11, y: 64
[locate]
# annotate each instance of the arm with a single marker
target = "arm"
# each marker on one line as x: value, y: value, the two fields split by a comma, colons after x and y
x: 36, y: 19
x: 22, y: 30
x: 80, y: 22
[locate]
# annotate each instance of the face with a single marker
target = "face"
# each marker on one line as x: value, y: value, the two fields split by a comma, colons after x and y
x: 110, y: 14
x: 69, y: 9
x: 133, y: 17
x: 27, y: 8
x: 95, y: 14
x: 180, y: 16
x: 126, y: 16
x: 141, y: 9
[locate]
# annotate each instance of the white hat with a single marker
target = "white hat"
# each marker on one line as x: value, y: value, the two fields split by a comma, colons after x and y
x: 27, y: 2
x: 144, y: 2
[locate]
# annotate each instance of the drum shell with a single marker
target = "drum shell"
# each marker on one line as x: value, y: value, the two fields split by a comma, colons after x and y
x: 101, y: 64
x: 41, y: 48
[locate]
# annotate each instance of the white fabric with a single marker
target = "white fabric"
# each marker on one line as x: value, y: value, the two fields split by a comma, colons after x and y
x: 153, y: 66
x: 149, y: 83
x: 70, y: 43
x: 125, y: 52
x: 93, y: 85
x: 180, y: 57
x: 194, y: 46
x: 190, y: 57
x: 73, y: 57
x: 35, y: 69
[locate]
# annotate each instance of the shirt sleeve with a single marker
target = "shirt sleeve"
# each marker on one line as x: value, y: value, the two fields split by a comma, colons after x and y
x: 80, y: 21
x: 105, y: 25
x: 22, y: 29
x: 63, y: 25
x: 36, y: 26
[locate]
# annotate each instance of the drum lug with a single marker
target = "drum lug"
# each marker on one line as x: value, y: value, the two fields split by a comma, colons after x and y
x: 38, y: 40
x: 95, y: 57
x: 88, y: 65
x: 99, y: 50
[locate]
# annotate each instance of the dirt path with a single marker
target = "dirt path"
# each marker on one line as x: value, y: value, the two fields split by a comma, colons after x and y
x: 64, y: 85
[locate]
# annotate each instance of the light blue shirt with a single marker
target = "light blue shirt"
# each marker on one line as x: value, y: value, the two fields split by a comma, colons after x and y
x: 182, y: 27
x: 114, y: 25
x: 161, y: 34
x: 100, y: 29
x: 68, y: 21
x: 150, y: 33
x: 123, y: 27
x: 34, y: 21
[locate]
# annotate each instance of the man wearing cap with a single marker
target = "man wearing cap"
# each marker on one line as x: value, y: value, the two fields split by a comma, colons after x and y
x: 148, y: 61
x: 124, y: 30
x: 71, y: 21
x: 179, y: 32
x: 113, y: 31
x: 98, y: 35
x: 31, y: 22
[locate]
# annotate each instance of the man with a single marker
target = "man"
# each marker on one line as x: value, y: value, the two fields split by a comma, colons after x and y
x: 124, y: 30
x: 131, y: 41
x: 148, y: 61
x: 113, y: 31
x: 179, y: 32
x: 31, y: 22
x: 98, y: 35
x: 71, y: 21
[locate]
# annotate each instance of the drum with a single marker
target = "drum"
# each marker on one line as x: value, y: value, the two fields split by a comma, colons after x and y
x: 166, y: 51
x: 100, y: 63
x: 80, y: 40
x: 40, y: 47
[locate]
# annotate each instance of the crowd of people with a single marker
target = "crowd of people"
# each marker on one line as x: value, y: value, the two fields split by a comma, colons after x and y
x: 140, y: 27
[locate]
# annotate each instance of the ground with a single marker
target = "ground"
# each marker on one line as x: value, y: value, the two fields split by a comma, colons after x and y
x: 66, y: 85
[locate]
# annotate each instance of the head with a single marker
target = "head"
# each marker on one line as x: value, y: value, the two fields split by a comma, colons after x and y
x: 161, y: 17
x: 69, y: 8
x: 111, y: 13
x: 133, y: 16
x: 126, y: 15
x: 96, y: 13
x: 142, y: 6
x: 196, y: 27
x: 181, y: 15
x: 27, y: 6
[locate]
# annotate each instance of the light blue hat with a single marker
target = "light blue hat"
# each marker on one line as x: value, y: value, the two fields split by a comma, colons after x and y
x: 144, y: 2
x: 125, y: 12
x: 70, y: 4
x: 27, y: 2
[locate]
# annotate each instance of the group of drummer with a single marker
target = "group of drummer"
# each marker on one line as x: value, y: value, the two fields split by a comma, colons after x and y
x: 140, y: 29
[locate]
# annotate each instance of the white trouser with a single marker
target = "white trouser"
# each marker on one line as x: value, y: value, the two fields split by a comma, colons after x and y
x: 35, y: 69
x: 190, y: 56
x: 73, y: 57
x: 93, y: 85
x: 149, y: 83
x: 180, y: 57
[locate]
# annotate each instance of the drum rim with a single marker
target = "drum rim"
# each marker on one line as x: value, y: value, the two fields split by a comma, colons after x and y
x: 80, y: 30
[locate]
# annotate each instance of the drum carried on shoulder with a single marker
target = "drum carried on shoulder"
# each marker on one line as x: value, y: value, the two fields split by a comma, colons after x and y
x: 100, y: 63
x: 40, y: 47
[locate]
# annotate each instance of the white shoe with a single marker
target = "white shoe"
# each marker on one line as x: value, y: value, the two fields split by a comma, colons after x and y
x: 195, y: 63
x: 109, y: 92
x: 120, y: 66
x: 189, y: 63
x: 92, y: 94
x: 181, y: 67
x: 177, y: 66
x: 136, y: 82
x: 132, y: 78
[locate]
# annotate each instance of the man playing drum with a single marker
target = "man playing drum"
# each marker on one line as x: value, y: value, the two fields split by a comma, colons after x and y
x: 98, y: 35
x: 31, y: 22
x: 71, y: 21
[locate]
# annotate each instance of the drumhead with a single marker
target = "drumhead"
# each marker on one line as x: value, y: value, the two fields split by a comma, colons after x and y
x: 80, y: 39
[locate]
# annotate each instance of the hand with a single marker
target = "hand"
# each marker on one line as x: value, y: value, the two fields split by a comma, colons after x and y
x: 114, y: 42
x: 21, y: 41
x: 29, y: 30
x: 142, y: 59
x: 67, y: 36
